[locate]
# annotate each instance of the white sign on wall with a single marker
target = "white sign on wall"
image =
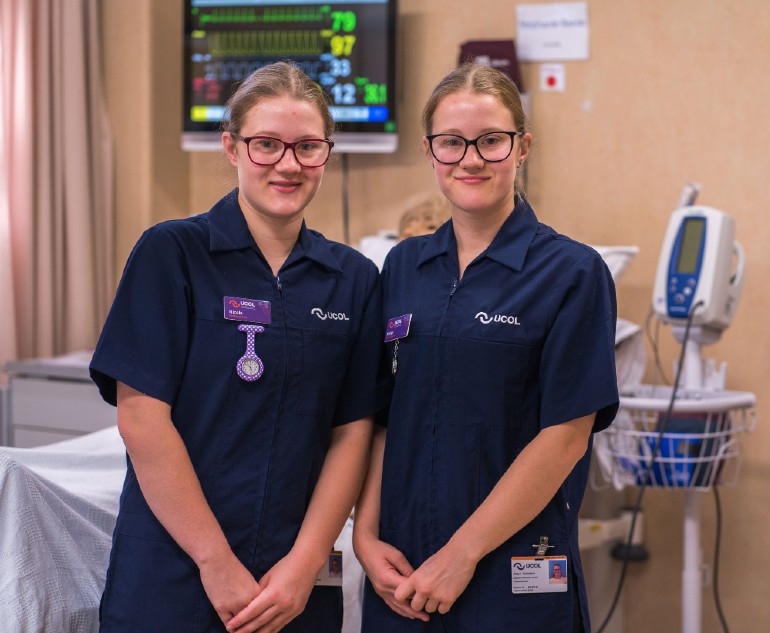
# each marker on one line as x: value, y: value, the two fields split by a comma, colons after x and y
x: 555, y: 31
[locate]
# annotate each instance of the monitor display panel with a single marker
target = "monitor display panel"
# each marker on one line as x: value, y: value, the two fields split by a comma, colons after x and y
x: 349, y: 48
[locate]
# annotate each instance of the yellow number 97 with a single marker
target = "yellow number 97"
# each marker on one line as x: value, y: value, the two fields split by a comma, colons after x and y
x: 342, y: 45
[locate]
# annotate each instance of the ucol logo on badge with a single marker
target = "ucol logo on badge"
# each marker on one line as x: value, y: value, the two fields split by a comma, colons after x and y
x: 252, y: 310
x: 398, y: 327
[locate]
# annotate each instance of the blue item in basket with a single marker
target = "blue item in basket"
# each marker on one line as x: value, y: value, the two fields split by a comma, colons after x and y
x: 687, y: 452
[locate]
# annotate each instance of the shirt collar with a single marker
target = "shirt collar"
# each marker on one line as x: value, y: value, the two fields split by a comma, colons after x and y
x: 229, y: 231
x: 509, y: 246
x: 438, y: 244
x: 316, y: 247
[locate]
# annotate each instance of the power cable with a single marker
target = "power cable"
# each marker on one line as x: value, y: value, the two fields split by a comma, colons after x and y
x: 717, y: 547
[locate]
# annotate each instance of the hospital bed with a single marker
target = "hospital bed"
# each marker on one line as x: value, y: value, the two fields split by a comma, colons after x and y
x: 58, y: 505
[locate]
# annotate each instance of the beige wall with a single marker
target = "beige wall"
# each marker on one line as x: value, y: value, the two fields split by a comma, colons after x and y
x: 675, y: 90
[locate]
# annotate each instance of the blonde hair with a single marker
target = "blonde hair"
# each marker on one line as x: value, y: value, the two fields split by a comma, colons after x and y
x: 275, y: 80
x: 480, y: 79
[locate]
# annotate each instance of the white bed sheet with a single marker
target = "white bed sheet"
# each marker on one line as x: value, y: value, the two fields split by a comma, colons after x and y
x: 58, y: 505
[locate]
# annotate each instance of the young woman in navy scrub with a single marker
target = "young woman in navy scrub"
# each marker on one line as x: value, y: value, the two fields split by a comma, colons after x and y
x: 505, y: 371
x: 242, y: 352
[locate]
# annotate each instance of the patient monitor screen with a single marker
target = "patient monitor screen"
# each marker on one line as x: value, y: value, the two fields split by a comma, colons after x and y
x: 689, y: 249
x: 346, y: 47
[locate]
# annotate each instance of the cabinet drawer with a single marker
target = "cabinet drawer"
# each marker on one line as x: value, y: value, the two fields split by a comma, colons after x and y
x: 23, y: 437
x: 70, y: 407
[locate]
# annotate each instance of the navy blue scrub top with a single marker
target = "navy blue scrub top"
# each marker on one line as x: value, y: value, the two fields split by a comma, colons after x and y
x: 525, y: 340
x: 257, y: 447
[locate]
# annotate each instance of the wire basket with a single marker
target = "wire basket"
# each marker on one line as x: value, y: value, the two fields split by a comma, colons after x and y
x: 699, y: 447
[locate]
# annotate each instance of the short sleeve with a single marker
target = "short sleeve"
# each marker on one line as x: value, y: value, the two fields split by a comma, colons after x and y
x: 145, y: 337
x: 364, y: 391
x: 577, y: 371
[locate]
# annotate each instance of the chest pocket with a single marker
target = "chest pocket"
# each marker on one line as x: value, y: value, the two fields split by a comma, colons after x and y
x: 486, y: 380
x: 324, y: 364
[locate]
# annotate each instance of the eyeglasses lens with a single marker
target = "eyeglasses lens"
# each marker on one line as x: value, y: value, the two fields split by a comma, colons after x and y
x: 268, y: 151
x: 448, y: 148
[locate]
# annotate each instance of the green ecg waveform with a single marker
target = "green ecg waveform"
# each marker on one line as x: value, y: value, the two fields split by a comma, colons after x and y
x: 253, y: 15
x: 273, y: 43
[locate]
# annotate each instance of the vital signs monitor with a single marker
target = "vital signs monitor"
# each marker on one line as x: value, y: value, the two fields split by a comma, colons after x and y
x: 696, y: 270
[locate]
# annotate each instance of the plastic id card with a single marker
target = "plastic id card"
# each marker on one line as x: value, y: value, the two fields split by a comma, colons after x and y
x: 331, y: 573
x: 539, y: 575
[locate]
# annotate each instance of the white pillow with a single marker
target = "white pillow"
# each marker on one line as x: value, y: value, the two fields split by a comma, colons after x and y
x: 617, y: 258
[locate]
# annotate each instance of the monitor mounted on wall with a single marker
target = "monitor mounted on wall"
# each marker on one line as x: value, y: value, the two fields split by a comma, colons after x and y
x: 348, y: 48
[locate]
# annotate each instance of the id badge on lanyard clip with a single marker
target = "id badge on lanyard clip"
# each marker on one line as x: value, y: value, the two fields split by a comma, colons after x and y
x: 398, y: 328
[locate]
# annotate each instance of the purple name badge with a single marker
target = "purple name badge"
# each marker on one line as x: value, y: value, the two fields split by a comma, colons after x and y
x: 398, y: 327
x: 239, y: 309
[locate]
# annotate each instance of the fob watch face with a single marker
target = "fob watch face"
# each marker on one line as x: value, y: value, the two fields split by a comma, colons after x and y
x: 250, y: 367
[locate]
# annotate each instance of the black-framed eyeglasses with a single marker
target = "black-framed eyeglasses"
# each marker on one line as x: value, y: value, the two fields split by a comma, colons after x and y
x: 267, y: 150
x: 493, y: 147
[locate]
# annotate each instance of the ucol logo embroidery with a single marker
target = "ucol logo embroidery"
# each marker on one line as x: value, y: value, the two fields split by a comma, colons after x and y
x: 335, y: 316
x: 497, y: 318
